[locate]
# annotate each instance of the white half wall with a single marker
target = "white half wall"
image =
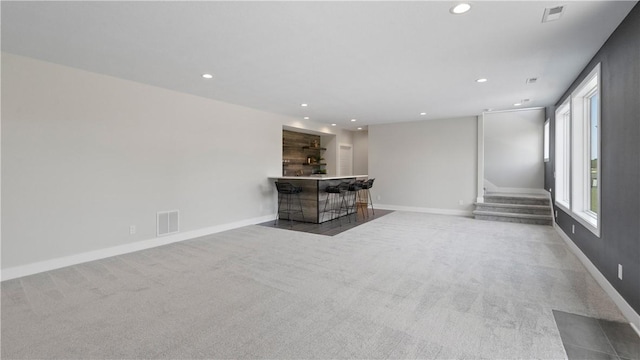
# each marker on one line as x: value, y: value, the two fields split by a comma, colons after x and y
x: 513, y: 146
x: 85, y: 156
x: 430, y: 165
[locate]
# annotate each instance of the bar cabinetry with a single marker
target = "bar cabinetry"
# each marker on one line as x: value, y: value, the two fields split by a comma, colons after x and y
x: 314, y: 194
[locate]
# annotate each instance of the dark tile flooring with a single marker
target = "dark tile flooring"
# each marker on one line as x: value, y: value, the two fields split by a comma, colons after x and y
x: 330, y: 228
x: 584, y: 338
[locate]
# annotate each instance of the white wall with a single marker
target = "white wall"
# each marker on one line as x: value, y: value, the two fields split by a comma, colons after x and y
x: 361, y: 152
x: 427, y: 165
x: 84, y: 156
x: 513, y: 146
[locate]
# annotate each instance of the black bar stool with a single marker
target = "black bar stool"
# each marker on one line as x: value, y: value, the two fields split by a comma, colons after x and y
x: 364, y: 196
x: 352, y: 200
x: 336, y: 201
x: 285, y: 191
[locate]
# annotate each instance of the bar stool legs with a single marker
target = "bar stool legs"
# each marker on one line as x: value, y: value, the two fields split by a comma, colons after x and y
x: 337, y: 201
x: 285, y: 192
x: 352, y: 202
x: 364, y: 197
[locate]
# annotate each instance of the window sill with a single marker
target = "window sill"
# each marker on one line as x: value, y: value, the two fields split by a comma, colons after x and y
x: 585, y: 219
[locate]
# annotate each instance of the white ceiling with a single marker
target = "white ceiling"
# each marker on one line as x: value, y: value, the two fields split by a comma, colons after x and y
x: 378, y: 62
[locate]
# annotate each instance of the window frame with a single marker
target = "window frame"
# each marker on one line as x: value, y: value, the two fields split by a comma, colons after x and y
x: 581, y: 159
x: 563, y: 156
x: 577, y: 133
x: 546, y: 138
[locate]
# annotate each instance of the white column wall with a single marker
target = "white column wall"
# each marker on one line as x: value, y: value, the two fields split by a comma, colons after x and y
x: 361, y: 152
x: 513, y: 146
x: 426, y: 166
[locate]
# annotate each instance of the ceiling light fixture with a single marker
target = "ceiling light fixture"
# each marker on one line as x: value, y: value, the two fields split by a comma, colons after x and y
x: 481, y: 80
x: 207, y: 76
x: 423, y: 113
x: 359, y: 128
x: 333, y: 124
x: 460, y: 8
x: 304, y: 105
x: 306, y: 118
x: 517, y: 104
x: 353, y: 120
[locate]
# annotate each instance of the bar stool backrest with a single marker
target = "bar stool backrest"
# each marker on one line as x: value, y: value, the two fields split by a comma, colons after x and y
x: 356, y: 185
x: 287, y: 188
x: 369, y: 184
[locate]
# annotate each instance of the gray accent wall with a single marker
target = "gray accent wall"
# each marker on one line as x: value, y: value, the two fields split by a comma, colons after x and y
x: 620, y: 153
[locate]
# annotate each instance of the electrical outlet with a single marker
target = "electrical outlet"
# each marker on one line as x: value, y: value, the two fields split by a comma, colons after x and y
x: 573, y: 229
x: 132, y: 229
x: 620, y: 271
x: 379, y: 197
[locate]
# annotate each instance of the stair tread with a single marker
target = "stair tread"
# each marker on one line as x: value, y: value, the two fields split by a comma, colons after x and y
x: 516, y: 206
x: 516, y: 215
x: 523, y: 196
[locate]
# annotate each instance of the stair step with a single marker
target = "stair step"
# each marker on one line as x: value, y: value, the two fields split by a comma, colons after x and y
x: 517, y: 199
x: 514, y: 208
x: 513, y: 217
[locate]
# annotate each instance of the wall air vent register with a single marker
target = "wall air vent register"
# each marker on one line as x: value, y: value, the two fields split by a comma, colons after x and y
x: 168, y: 222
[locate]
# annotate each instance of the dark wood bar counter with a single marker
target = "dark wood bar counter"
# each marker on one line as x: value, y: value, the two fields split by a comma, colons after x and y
x: 314, y: 194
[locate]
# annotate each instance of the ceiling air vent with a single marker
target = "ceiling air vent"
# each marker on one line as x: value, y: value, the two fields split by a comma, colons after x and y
x: 551, y: 14
x: 532, y: 80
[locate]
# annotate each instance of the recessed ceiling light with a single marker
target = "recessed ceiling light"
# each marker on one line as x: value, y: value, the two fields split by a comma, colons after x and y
x: 359, y: 128
x: 481, y: 80
x: 353, y: 120
x: 423, y: 113
x: 333, y: 124
x: 207, y: 76
x: 517, y: 104
x: 460, y: 8
x: 304, y: 105
x: 306, y: 118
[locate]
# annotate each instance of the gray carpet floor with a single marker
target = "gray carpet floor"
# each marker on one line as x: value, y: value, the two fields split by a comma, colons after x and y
x: 406, y: 285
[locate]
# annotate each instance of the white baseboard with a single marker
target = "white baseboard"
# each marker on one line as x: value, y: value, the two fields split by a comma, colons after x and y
x: 623, y: 305
x: 425, y: 210
x: 57, y: 263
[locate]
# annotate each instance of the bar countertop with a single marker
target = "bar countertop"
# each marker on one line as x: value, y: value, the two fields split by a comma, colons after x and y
x: 317, y: 177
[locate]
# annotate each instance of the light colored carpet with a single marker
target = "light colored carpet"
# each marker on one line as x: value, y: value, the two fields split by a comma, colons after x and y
x: 406, y: 285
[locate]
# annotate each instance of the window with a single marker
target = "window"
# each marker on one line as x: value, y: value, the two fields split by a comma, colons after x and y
x: 593, y: 106
x: 546, y: 141
x: 563, y: 152
x: 578, y: 153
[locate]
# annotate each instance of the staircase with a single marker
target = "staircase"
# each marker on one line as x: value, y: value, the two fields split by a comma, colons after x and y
x: 517, y: 208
